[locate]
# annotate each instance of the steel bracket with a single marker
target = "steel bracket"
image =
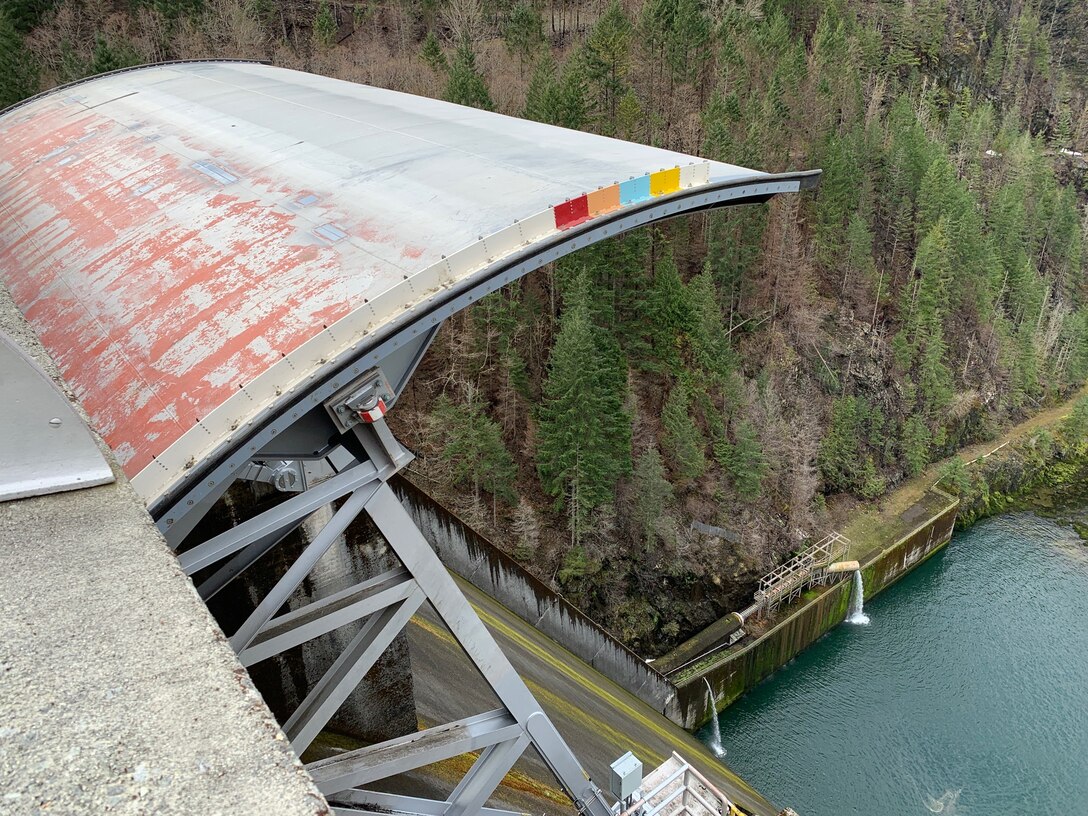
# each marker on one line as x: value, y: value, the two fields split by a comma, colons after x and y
x: 362, y: 400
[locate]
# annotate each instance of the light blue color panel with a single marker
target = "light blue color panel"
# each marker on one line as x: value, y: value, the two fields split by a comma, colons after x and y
x: 637, y: 189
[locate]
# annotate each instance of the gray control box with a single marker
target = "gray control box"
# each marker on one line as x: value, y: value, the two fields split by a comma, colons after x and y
x: 626, y: 776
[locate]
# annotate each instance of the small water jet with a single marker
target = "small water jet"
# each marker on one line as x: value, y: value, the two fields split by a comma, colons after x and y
x: 945, y: 804
x: 857, y: 602
x: 715, y: 728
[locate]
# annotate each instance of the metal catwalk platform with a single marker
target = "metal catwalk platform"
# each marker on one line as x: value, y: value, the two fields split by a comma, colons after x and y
x: 238, y: 267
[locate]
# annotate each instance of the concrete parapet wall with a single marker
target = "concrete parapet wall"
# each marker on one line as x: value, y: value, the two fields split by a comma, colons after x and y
x: 495, y: 573
x: 733, y: 672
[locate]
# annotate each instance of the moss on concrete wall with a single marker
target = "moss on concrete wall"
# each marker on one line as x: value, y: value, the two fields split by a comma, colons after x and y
x: 731, y: 673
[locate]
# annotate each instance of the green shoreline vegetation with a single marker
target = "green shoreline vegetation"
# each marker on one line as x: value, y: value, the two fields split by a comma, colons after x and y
x: 1046, y: 473
x: 1040, y: 465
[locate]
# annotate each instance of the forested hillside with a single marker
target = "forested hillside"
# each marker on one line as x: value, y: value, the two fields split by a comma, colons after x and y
x: 757, y: 370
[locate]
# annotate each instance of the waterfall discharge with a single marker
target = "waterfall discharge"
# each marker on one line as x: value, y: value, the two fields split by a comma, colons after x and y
x: 857, y: 601
x: 716, y: 728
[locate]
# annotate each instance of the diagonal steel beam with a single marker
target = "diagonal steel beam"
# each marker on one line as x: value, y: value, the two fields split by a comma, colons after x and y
x: 330, y: 692
x: 294, y: 576
x: 364, y: 765
x: 318, y: 618
x: 405, y: 539
x: 275, y: 520
x: 344, y: 804
x: 475, y: 787
x: 245, y: 559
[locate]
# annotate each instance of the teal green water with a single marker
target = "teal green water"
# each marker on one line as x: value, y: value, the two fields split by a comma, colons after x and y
x: 966, y: 694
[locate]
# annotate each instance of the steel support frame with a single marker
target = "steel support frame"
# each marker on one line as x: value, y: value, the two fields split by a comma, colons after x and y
x: 396, y: 756
x: 359, y: 800
x: 348, y: 670
x: 386, y: 603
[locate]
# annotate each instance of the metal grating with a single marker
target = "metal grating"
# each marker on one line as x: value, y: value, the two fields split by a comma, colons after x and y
x: 675, y: 788
x: 787, y: 581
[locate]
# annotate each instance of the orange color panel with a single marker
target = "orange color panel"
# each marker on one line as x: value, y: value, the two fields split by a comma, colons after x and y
x: 604, y: 200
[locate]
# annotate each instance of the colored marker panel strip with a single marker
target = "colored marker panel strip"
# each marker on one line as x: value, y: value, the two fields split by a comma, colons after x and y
x: 665, y: 182
x: 579, y: 208
x: 635, y: 190
x: 562, y: 215
x: 604, y: 200
x: 570, y: 213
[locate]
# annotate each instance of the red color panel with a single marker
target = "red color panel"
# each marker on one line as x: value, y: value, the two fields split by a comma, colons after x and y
x: 571, y: 213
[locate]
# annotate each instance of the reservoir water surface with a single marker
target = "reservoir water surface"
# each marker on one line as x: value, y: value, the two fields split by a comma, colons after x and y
x: 967, y: 693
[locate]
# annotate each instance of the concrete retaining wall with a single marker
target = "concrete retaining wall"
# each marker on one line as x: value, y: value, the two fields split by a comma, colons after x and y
x: 733, y: 672
x: 492, y: 571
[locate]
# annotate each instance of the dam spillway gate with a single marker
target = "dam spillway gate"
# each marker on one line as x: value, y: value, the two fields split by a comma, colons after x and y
x: 237, y: 269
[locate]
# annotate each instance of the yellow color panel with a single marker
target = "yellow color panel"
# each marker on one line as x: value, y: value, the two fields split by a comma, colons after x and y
x: 604, y: 200
x: 664, y: 182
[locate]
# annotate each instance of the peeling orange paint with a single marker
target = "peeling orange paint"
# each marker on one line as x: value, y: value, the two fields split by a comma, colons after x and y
x: 158, y: 291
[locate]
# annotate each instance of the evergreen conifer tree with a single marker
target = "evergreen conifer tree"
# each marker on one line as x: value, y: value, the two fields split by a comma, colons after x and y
x: 915, y: 444
x: 524, y: 32
x: 18, y: 72
x: 653, y: 493
x: 683, y: 440
x: 558, y: 97
x: 324, y: 25
x: 473, y: 447
x: 606, y: 57
x: 745, y: 461
x: 113, y: 56
x: 584, y: 431
x: 433, y: 55
x: 668, y: 310
x: 466, y: 85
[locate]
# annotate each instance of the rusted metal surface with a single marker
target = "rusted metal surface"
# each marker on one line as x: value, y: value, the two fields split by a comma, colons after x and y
x: 193, y: 241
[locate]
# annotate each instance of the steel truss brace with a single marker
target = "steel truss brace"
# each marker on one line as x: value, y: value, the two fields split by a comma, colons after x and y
x: 365, y: 765
x: 276, y: 523
x: 385, y: 604
x: 320, y: 617
x: 348, y: 671
x: 405, y: 539
x: 358, y: 801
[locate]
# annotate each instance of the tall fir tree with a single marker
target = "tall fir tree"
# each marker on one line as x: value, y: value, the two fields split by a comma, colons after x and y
x: 744, y: 460
x: 466, y: 85
x: 584, y: 431
x: 18, y: 72
x: 606, y: 56
x: 524, y: 32
x: 653, y: 493
x: 473, y: 448
x: 433, y: 55
x: 683, y: 440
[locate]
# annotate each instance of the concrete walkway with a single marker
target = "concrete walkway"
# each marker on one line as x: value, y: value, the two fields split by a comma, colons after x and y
x: 118, y: 693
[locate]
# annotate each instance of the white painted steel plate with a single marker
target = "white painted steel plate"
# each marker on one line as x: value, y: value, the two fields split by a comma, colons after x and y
x: 45, y: 447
